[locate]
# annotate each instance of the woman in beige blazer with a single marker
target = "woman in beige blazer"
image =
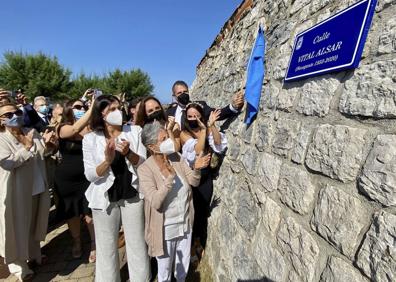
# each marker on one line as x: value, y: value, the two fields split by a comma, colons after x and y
x: 165, y: 180
x: 24, y: 198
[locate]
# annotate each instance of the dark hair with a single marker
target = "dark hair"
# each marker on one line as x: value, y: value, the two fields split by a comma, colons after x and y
x: 199, y: 108
x: 132, y: 104
x: 97, y: 122
x: 67, y: 115
x: 141, y: 113
x: 177, y: 83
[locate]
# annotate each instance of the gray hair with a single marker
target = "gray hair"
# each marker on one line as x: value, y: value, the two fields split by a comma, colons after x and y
x: 38, y: 98
x: 150, y: 133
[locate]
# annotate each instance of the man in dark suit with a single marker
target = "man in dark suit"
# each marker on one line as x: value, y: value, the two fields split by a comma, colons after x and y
x: 182, y: 96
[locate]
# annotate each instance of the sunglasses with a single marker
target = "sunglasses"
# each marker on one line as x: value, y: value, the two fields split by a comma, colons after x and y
x: 11, y: 114
x: 79, y: 107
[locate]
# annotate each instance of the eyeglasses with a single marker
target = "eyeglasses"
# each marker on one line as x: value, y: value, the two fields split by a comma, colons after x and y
x: 78, y: 107
x: 11, y: 114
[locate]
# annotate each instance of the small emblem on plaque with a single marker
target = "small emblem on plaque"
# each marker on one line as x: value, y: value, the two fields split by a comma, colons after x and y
x: 299, y: 42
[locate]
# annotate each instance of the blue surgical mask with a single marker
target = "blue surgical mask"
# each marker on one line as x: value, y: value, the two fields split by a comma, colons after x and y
x: 78, y: 113
x: 43, y: 109
x: 14, y: 121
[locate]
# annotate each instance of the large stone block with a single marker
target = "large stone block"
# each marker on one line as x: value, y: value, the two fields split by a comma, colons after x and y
x: 377, y: 256
x: 337, y: 151
x: 296, y: 189
x: 298, y: 5
x: 286, y: 98
x: 286, y: 134
x: 371, y: 91
x: 316, y: 96
x: 244, y: 264
x: 271, y: 216
x: 268, y: 172
x: 300, y: 248
x: 249, y: 159
x: 378, y: 178
x: 269, y: 258
x: 387, y: 37
x: 264, y: 135
x: 301, y: 145
x: 338, y: 270
x: 245, y: 210
x: 339, y: 218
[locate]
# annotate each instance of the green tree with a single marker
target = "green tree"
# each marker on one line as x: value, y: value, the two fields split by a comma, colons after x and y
x: 134, y: 83
x: 37, y: 74
x: 83, y: 82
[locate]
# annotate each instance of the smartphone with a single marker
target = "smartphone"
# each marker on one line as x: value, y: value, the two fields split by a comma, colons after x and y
x: 98, y: 93
x: 50, y: 128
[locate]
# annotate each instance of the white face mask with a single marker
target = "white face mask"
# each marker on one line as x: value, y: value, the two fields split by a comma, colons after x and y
x: 114, y: 118
x: 167, y: 147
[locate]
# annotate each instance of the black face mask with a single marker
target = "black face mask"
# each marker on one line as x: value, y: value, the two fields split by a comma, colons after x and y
x: 157, y: 115
x: 193, y: 123
x: 183, y: 99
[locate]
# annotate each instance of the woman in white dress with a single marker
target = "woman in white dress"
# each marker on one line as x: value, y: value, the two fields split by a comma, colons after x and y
x: 24, y: 197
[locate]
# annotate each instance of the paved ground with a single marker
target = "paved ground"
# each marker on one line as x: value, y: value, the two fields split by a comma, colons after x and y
x: 62, y: 266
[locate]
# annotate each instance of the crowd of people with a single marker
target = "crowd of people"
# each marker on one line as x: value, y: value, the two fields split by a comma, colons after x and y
x: 131, y: 168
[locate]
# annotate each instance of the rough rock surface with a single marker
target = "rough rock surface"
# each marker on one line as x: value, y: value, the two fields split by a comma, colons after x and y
x: 339, y: 218
x: 370, y: 92
x: 378, y: 179
x: 337, y: 151
x: 339, y: 270
x: 377, y: 256
x: 300, y: 248
x: 296, y: 189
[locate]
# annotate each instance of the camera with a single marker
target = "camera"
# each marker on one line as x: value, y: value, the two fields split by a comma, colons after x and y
x: 97, y: 93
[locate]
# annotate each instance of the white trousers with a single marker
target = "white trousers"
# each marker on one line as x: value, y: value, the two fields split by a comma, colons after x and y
x: 176, y: 256
x: 19, y: 267
x: 107, y: 225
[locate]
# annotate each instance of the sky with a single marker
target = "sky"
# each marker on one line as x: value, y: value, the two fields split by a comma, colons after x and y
x: 165, y: 38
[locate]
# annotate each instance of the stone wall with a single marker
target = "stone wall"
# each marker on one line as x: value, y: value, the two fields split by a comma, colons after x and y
x: 308, y: 192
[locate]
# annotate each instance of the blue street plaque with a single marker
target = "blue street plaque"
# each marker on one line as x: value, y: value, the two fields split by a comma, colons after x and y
x: 334, y: 44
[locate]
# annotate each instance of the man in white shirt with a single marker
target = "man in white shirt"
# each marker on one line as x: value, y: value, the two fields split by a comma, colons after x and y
x: 182, y: 96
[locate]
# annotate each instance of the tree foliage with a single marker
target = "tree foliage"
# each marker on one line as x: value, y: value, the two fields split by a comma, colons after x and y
x: 36, y: 74
x: 40, y: 74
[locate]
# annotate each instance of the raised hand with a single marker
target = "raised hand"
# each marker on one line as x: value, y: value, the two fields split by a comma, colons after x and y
x: 171, y: 123
x: 201, y: 161
x: 200, y: 123
x: 238, y: 100
x: 214, y: 116
x: 21, y: 99
x: 110, y: 151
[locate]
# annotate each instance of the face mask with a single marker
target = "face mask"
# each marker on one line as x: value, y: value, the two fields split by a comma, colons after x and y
x: 114, y: 118
x: 193, y: 123
x: 157, y: 115
x: 183, y: 99
x: 15, y: 121
x: 167, y: 147
x: 78, y: 114
x: 43, y: 109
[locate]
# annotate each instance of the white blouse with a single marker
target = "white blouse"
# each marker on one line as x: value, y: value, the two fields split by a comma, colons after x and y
x: 94, y: 144
x: 188, y: 151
